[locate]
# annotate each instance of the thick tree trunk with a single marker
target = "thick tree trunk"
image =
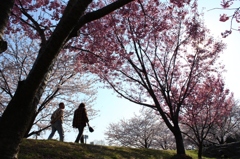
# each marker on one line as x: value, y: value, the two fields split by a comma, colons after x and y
x: 30, y: 125
x: 179, y: 141
x: 5, y: 8
x: 5, y: 11
x: 16, y: 120
x: 200, y: 147
x: 21, y: 108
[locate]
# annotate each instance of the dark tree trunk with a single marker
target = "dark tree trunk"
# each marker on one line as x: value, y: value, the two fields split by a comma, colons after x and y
x: 175, y: 129
x: 200, y: 147
x: 15, y: 120
x: 5, y: 8
x: 5, y: 11
x: 26, y: 135
x: 179, y: 141
x: 21, y: 108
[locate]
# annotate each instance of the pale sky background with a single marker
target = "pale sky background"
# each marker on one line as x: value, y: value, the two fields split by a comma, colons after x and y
x: 113, y: 109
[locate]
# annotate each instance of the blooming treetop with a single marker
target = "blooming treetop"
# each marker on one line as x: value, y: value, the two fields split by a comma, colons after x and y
x: 230, y: 5
x: 210, y: 103
x: 161, y: 41
x: 38, y: 19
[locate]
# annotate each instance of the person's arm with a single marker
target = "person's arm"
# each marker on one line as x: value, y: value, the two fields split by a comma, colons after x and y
x: 61, y: 113
x: 86, y: 116
x: 74, y: 120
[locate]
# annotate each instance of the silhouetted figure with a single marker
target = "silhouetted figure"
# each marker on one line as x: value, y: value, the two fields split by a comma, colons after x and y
x: 80, y: 120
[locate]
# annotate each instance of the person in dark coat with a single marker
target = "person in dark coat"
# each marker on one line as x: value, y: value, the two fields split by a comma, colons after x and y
x: 80, y: 120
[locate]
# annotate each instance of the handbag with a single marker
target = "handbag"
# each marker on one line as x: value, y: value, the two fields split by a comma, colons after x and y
x: 90, y: 128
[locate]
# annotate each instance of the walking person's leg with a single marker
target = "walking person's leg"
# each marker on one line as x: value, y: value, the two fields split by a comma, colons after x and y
x: 82, y: 139
x: 60, y: 130
x: 53, y: 132
x: 80, y: 132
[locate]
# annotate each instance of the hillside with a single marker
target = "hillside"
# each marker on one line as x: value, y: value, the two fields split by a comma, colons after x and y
x: 52, y: 149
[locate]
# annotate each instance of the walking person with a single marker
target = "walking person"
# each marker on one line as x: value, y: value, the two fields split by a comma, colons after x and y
x: 80, y: 120
x: 56, y: 121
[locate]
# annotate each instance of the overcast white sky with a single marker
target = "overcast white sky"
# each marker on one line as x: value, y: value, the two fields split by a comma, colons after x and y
x: 112, y: 109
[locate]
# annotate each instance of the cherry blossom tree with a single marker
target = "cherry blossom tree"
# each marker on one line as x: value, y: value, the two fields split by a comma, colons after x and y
x: 144, y: 130
x: 220, y: 133
x: 205, y: 107
x: 65, y: 84
x: 56, y: 24
x: 157, y: 60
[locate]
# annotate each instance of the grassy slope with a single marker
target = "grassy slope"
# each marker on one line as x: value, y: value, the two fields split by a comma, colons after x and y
x: 52, y: 149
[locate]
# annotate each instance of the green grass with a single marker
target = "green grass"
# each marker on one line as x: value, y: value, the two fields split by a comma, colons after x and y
x: 52, y: 149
